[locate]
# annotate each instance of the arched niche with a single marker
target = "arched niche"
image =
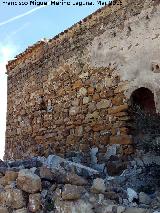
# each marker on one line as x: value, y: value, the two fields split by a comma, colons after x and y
x: 144, y: 99
x: 144, y: 122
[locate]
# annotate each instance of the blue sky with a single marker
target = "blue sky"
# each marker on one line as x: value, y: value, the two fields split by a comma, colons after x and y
x: 16, y: 33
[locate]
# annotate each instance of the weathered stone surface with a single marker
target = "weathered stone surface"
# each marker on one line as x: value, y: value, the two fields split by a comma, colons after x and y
x: 55, y: 163
x: 117, y: 109
x: 83, y: 91
x: 23, y: 210
x: 3, y: 210
x: 96, y: 97
x: 27, y: 163
x: 105, y: 208
x: 28, y: 182
x: 98, y: 127
x: 34, y: 204
x: 2, y: 163
x: 10, y: 176
x: 77, y: 84
x: 120, y: 209
x: 79, y: 131
x: 12, y: 198
x: 45, y: 173
x: 117, y: 100
x: 91, y: 90
x: 3, y: 181
x: 121, y: 139
x: 144, y: 198
x: 111, y: 195
x: 98, y: 186
x: 136, y: 210
x: 80, y: 206
x: 103, y: 104
x: 71, y: 192
x: 73, y: 110
x: 86, y: 100
x: 74, y: 179
x: 104, y: 195
x: 131, y: 194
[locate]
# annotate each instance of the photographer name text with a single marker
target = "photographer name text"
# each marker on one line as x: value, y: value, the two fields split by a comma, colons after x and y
x: 60, y: 3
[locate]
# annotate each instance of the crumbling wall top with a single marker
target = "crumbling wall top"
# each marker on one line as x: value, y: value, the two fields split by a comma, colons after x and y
x: 86, y: 23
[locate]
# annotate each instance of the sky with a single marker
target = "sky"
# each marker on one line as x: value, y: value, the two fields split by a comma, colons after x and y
x: 22, y: 26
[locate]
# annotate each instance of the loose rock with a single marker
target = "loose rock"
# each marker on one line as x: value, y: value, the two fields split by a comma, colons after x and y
x: 29, y: 182
x: 71, y: 192
x: 98, y: 186
x: 34, y: 202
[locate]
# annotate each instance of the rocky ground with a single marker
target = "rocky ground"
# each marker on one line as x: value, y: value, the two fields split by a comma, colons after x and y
x: 57, y: 185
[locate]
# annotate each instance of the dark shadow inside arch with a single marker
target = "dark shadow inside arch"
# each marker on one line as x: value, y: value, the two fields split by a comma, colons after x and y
x: 144, y: 122
x: 144, y: 99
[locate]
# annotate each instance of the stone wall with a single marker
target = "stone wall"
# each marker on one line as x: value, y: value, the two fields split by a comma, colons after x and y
x: 69, y: 94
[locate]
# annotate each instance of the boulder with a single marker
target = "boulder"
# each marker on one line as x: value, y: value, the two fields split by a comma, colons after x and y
x: 61, y: 165
x: 45, y: 173
x: 103, y: 104
x: 28, y: 181
x: 3, y: 181
x: 98, y: 186
x: 27, y: 164
x: 136, y: 210
x: 131, y: 194
x: 23, y: 210
x: 144, y: 198
x: 79, y: 206
x: 10, y: 176
x: 120, y: 209
x: 75, y: 179
x: 109, y: 208
x: 82, y: 92
x: 34, y: 202
x: 2, y: 163
x: 71, y: 192
x: 1, y: 175
x: 112, y: 196
x: 3, y: 210
x: 12, y: 197
x: 73, y: 110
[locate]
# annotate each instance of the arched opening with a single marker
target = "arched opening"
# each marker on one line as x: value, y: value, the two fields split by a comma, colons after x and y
x: 144, y: 99
x: 145, y: 122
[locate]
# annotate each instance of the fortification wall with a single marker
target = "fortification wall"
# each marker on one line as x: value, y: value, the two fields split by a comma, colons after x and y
x: 71, y: 93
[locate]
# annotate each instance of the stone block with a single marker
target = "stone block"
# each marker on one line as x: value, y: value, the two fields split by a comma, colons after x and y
x: 86, y: 100
x: 82, y: 92
x: 103, y: 104
x: 34, y: 204
x: 98, y: 127
x: 98, y: 186
x: 74, y: 110
x: 135, y: 210
x: 91, y: 90
x: 118, y: 109
x: 71, y: 192
x: 96, y: 97
x: 77, y: 84
x: 121, y: 139
x: 3, y: 210
x: 117, y: 100
x: 28, y: 181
